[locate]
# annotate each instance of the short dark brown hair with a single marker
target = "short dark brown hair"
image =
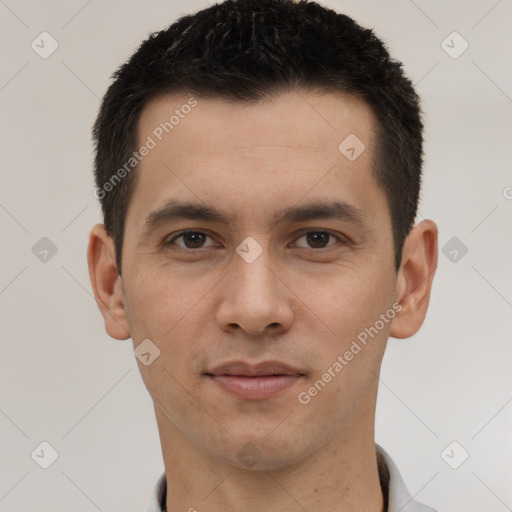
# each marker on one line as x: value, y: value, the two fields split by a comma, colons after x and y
x: 247, y: 50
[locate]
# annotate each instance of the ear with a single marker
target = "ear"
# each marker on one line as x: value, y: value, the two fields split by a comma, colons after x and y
x: 106, y: 282
x: 415, y: 276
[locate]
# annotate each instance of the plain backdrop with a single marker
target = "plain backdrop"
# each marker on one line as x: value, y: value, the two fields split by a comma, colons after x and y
x: 63, y: 381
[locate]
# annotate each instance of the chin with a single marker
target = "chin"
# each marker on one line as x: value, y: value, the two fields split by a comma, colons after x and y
x: 260, y: 453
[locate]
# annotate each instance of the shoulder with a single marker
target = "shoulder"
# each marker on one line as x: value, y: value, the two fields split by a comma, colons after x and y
x: 394, y: 488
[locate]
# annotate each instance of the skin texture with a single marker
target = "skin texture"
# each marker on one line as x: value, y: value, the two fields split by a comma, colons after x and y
x: 302, y: 301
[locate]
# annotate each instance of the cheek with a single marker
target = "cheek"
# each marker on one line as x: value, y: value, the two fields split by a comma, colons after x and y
x: 348, y: 301
x: 348, y: 311
x: 159, y: 301
x: 353, y: 346
x: 174, y: 311
x: 167, y: 310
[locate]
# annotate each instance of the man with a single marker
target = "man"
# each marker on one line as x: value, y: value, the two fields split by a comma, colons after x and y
x: 259, y: 167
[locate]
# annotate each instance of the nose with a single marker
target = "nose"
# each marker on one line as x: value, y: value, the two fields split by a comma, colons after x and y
x: 255, y: 298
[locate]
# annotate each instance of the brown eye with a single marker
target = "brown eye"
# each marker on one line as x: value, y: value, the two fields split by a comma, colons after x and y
x: 191, y: 240
x: 318, y: 239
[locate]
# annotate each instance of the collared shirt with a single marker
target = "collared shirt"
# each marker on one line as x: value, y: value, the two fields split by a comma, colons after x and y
x: 394, y: 490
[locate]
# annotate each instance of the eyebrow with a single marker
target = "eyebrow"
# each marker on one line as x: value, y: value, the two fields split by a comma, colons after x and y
x: 175, y: 210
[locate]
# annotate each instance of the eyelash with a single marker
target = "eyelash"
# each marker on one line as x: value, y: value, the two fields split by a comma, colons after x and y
x: 343, y: 240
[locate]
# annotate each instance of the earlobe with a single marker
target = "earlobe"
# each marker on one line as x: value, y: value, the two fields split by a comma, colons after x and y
x: 415, y: 277
x: 106, y: 282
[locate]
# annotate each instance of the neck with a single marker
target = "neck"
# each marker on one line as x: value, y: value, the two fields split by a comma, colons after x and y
x: 342, y: 475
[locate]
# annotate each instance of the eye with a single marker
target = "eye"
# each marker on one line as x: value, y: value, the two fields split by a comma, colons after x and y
x: 191, y: 240
x: 319, y: 239
x: 313, y: 240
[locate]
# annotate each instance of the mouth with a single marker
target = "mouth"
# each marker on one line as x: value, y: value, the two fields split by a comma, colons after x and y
x: 255, y: 382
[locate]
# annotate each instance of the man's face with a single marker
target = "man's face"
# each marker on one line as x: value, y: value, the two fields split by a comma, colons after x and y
x: 317, y: 284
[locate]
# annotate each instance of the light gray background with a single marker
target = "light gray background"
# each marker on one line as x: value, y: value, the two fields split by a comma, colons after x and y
x: 64, y: 381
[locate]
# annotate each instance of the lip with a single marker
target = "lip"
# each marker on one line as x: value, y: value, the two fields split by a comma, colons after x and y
x: 264, y: 368
x: 255, y: 382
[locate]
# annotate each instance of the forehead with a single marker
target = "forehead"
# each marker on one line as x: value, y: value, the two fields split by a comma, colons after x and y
x: 301, y: 119
x: 254, y: 155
